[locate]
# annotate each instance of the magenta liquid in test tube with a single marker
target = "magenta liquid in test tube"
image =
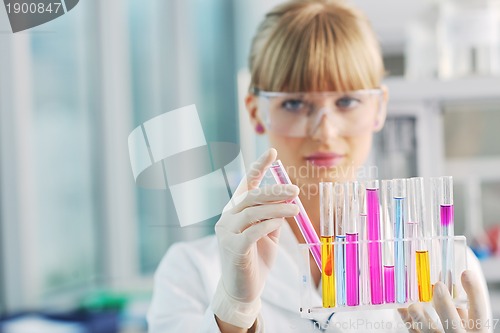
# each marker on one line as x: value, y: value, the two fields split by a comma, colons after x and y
x: 352, y: 274
x: 390, y: 294
x: 388, y: 247
x: 303, y: 221
x: 374, y: 245
x: 446, y: 214
x: 352, y: 246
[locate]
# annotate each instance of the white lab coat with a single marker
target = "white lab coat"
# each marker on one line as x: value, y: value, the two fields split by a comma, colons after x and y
x: 187, y: 277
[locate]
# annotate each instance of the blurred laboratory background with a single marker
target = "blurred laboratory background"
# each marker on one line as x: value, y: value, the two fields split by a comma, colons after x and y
x: 80, y: 241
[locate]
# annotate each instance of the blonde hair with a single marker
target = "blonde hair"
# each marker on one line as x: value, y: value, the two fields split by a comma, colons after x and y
x: 315, y: 45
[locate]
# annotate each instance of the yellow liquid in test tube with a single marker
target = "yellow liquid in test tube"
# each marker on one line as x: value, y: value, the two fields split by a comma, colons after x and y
x: 423, y: 276
x: 327, y: 272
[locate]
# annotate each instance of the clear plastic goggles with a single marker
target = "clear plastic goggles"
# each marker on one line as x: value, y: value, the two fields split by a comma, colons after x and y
x: 300, y: 114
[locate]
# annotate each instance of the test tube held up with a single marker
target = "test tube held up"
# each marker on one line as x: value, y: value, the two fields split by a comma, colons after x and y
x: 340, y: 204
x: 302, y: 219
x: 374, y: 246
x: 326, y: 235
x: 352, y: 217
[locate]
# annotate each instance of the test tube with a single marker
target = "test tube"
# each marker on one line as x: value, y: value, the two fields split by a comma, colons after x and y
x: 352, y: 268
x: 340, y: 204
x: 303, y: 221
x: 411, y: 235
x: 433, y: 228
x: 388, y: 232
x: 424, y: 234
x: 326, y: 235
x: 364, y: 269
x: 446, y: 218
x: 435, y: 205
x: 399, y: 194
x: 374, y: 246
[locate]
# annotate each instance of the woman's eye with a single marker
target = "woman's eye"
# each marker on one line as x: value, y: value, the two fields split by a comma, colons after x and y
x: 347, y: 102
x: 293, y: 105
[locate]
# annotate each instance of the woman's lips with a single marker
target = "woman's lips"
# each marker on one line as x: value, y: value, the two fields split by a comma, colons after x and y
x: 325, y: 159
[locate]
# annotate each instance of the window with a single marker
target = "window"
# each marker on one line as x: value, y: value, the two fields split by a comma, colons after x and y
x: 63, y: 137
x: 74, y: 220
x: 182, y: 52
x: 51, y: 217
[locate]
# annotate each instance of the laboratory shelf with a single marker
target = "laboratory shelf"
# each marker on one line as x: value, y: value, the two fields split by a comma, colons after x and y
x: 404, y: 90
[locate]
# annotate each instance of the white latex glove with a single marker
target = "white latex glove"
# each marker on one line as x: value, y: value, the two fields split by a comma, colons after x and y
x: 452, y: 319
x: 247, y: 233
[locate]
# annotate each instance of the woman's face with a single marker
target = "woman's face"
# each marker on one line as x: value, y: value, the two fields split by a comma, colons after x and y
x: 332, y: 150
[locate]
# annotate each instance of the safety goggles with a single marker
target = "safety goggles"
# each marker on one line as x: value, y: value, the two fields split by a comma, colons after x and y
x: 300, y: 114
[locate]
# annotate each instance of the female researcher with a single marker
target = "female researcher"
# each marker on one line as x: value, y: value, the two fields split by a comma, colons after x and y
x: 245, y: 277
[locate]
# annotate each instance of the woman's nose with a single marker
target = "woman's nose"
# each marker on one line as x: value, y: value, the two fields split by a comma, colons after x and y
x: 327, y: 125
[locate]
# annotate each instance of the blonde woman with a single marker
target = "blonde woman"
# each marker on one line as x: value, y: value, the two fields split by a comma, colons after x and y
x: 245, y: 277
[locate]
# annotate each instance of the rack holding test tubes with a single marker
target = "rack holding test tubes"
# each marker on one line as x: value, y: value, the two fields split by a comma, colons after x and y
x: 380, y: 250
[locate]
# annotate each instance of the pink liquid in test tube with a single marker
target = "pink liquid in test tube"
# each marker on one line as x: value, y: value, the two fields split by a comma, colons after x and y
x: 303, y: 221
x: 390, y: 295
x: 446, y: 216
x: 352, y: 274
x: 374, y: 246
x: 446, y: 208
x: 447, y: 247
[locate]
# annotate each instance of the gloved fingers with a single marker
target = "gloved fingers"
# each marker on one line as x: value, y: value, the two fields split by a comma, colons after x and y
x: 274, y: 235
x: 477, y: 304
x: 406, y: 318
x: 253, y: 215
x: 267, y: 194
x: 421, y: 319
x: 252, y: 234
x: 256, y: 172
x: 446, y: 309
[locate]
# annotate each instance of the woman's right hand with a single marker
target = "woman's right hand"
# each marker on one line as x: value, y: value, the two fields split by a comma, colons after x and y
x: 248, y: 233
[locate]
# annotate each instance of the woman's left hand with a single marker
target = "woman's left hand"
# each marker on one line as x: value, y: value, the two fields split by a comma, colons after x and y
x: 452, y: 319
